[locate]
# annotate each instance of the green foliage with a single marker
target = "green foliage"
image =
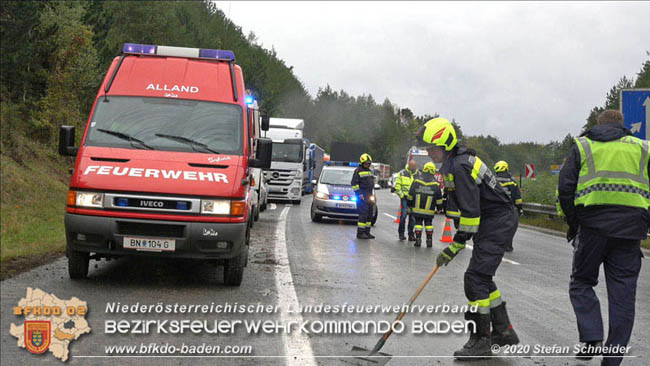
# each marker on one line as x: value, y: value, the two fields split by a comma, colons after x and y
x: 73, y: 76
x: 541, y: 190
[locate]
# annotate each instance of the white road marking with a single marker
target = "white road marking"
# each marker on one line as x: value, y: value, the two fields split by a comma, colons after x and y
x: 297, y: 348
x: 470, y: 247
x: 391, y: 216
x: 272, y: 206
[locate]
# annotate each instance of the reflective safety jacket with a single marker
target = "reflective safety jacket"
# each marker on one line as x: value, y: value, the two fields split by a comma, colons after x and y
x: 363, y: 182
x: 472, y: 189
x: 603, y: 184
x: 425, y: 195
x: 404, y: 180
x: 510, y: 186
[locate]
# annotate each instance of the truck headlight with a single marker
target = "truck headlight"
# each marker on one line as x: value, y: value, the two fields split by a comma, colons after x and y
x: 322, y: 195
x: 89, y: 199
x: 373, y: 199
x: 215, y: 207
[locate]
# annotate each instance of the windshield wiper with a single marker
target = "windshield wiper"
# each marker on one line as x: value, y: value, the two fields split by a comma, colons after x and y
x: 187, y: 141
x: 124, y: 136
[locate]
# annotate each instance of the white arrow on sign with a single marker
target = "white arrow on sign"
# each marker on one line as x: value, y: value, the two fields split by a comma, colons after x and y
x: 646, y: 104
x: 636, y: 127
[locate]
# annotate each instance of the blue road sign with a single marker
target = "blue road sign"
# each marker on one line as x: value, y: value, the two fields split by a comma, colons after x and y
x: 635, y: 106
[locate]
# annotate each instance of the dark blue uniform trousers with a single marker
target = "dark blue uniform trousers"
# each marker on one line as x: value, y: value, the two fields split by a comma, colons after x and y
x: 403, y: 215
x: 622, y: 262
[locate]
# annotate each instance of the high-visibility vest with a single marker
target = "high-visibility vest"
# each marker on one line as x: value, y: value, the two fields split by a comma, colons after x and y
x: 613, y: 172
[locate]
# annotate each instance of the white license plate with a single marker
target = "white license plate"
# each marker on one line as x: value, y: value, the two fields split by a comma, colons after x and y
x: 346, y: 205
x: 149, y: 244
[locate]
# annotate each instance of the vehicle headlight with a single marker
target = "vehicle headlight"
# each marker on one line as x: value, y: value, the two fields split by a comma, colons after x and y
x: 373, y: 198
x: 89, y: 199
x: 322, y: 195
x: 215, y: 207
x: 298, y: 172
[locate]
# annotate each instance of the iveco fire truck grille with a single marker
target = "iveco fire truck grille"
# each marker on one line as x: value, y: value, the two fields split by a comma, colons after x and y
x: 280, y: 176
x: 142, y: 229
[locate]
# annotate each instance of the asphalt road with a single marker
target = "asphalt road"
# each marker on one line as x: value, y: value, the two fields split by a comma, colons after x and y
x: 294, y: 262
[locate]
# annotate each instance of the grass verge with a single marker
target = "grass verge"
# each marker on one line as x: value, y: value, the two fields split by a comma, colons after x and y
x: 34, y: 188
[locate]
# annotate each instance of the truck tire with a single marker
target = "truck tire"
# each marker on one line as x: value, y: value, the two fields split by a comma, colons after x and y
x: 233, y: 269
x: 78, y: 264
x: 256, y: 217
x: 263, y: 207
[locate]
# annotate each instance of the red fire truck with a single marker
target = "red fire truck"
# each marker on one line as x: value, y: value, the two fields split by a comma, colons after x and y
x: 164, y: 165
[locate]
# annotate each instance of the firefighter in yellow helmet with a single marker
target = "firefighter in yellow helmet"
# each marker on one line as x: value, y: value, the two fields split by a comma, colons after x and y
x: 423, y: 197
x: 482, y: 210
x: 510, y: 186
x: 363, y: 183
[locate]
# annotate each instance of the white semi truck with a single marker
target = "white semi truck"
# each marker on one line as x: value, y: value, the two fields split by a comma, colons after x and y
x: 288, y: 176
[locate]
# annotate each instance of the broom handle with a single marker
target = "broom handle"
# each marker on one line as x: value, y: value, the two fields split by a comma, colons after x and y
x: 401, y: 315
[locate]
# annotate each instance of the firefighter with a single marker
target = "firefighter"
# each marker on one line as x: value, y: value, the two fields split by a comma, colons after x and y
x: 512, y: 190
x: 363, y: 183
x: 483, y: 211
x: 603, y: 192
x: 402, y: 186
x: 424, y: 196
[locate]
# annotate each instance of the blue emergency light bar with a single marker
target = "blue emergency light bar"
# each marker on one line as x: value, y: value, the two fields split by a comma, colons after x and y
x: 204, y: 53
x: 341, y: 163
x: 249, y: 99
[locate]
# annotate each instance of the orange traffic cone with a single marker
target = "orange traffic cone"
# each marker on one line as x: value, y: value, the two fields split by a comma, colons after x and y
x: 446, y: 233
x: 399, y: 213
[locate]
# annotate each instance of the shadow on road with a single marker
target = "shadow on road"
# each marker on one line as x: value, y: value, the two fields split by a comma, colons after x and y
x: 155, y: 272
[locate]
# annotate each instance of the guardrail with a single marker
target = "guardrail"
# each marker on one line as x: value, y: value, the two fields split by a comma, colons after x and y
x: 549, y: 210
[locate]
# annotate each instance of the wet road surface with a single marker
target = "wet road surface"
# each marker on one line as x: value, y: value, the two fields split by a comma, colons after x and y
x: 295, y: 263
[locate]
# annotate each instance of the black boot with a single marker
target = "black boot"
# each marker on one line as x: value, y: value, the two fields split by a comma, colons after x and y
x: 478, y: 345
x: 411, y: 237
x: 429, y: 240
x: 362, y: 235
x: 502, y: 332
x: 370, y: 236
x: 418, y: 241
x: 589, y: 350
x: 401, y: 236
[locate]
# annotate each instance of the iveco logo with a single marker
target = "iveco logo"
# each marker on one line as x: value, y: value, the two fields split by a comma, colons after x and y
x: 276, y: 175
x: 345, y: 198
x: 151, y: 203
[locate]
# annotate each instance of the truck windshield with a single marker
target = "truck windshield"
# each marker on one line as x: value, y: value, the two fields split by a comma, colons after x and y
x: 341, y: 177
x: 291, y: 153
x: 167, y: 124
x: 420, y: 160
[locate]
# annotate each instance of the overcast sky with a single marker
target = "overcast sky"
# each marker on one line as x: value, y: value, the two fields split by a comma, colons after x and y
x: 520, y: 71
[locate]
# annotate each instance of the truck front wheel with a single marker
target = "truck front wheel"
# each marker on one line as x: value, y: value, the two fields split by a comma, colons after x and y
x: 78, y: 264
x: 233, y: 273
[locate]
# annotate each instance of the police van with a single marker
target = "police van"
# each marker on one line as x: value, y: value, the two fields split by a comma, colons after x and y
x: 334, y: 196
x: 164, y: 164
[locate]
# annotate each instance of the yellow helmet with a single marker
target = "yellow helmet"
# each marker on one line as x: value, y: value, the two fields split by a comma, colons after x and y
x: 429, y: 168
x: 364, y: 158
x: 438, y: 131
x: 501, y: 166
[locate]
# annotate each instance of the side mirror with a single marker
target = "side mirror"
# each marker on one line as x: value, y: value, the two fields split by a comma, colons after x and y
x: 314, y: 181
x: 263, y: 158
x: 66, y: 141
x: 265, y: 123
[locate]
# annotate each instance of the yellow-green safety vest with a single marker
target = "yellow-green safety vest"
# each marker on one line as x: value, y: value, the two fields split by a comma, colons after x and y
x: 613, y: 172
